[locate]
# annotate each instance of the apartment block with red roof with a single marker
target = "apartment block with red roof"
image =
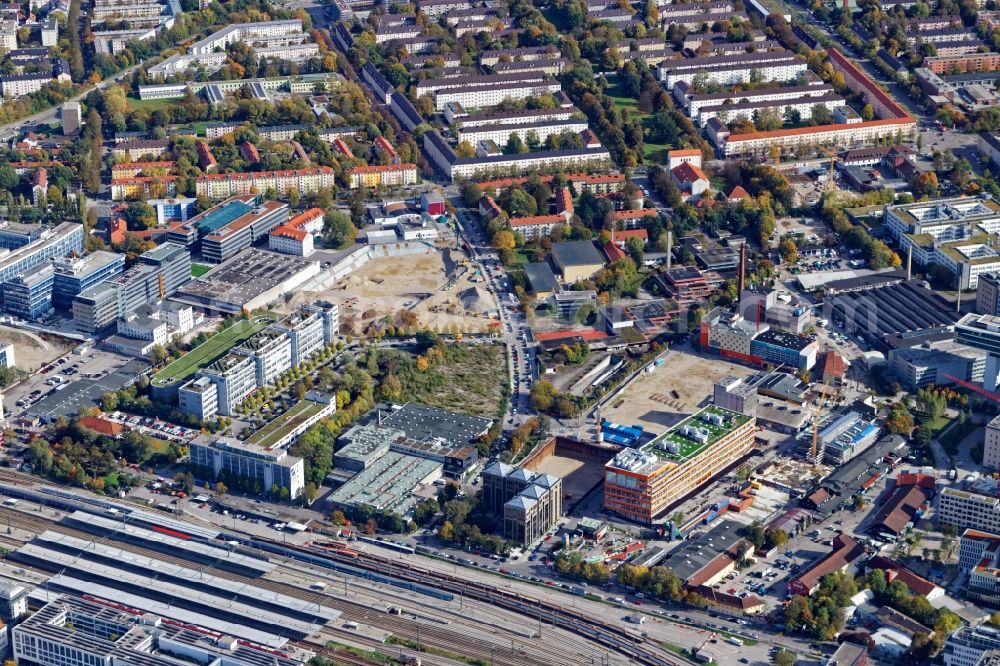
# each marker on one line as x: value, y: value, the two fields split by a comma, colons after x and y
x: 341, y: 147
x: 225, y: 185
x: 249, y: 153
x: 133, y: 169
x: 390, y: 175
x: 206, y: 160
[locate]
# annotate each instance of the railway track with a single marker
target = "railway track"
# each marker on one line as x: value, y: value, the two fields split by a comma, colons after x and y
x: 443, y: 638
x: 622, y: 641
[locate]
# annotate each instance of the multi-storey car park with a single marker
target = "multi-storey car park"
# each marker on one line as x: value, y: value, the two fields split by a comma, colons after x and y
x: 642, y: 483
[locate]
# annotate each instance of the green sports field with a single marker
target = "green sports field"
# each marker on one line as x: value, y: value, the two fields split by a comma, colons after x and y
x: 210, y: 351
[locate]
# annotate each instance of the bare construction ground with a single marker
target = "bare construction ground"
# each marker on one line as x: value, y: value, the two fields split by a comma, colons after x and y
x: 31, y: 351
x: 578, y: 476
x: 677, y: 388
x: 436, y: 289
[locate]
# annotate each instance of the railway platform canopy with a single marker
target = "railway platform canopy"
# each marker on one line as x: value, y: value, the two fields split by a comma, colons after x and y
x: 168, y: 541
x: 83, y: 564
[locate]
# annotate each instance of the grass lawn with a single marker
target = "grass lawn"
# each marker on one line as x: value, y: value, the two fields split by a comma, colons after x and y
x: 653, y: 152
x: 197, y: 270
x: 622, y: 101
x: 149, y: 104
x: 936, y: 425
x: 521, y: 257
x: 209, y: 352
x: 199, y: 128
x: 951, y: 436
x: 158, y: 446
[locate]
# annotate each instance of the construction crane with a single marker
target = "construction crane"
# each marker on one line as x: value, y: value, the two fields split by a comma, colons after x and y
x: 816, y: 412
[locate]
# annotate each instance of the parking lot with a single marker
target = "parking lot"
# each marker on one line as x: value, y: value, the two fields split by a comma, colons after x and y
x: 92, y: 364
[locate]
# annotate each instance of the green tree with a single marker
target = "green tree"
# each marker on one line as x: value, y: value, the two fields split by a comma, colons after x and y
x: 8, y: 177
x: 785, y: 658
x: 789, y: 251
x: 338, y: 229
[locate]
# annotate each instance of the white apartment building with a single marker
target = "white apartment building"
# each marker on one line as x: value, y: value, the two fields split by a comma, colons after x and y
x: 501, y: 132
x: 510, y: 165
x: 199, y: 397
x: 525, y: 53
x: 103, y: 12
x: 841, y: 135
x: 289, y: 52
x: 397, y: 32
x: 296, y: 242
x: 8, y: 35
x: 478, y: 97
x: 538, y: 226
x: 775, y: 68
x: 991, y: 445
x: 234, y: 377
x: 182, y: 62
x: 694, y: 102
x: 526, y: 117
x: 247, y: 32
x: 431, y: 86
x: 804, y: 106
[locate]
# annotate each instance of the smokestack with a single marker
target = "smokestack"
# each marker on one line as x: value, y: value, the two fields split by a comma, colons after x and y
x: 742, y: 268
x: 958, y: 293
x: 670, y: 247
x: 909, y: 262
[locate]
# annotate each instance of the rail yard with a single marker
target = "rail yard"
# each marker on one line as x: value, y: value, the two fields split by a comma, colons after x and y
x: 351, y: 604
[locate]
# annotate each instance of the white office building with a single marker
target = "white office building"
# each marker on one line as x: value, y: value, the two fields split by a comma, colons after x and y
x: 254, y: 466
x: 199, y: 397
x: 305, y: 331
x: 234, y: 377
x: 271, y: 352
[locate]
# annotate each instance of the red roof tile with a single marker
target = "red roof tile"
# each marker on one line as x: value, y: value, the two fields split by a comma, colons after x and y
x: 738, y: 193
x: 686, y: 172
x: 102, y: 426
